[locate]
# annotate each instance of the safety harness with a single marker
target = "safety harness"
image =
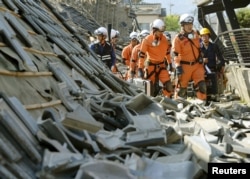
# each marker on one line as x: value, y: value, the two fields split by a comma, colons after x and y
x: 197, y: 59
x: 160, y: 66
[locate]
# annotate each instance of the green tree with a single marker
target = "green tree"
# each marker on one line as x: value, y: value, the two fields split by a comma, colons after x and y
x: 243, y: 16
x: 172, y: 22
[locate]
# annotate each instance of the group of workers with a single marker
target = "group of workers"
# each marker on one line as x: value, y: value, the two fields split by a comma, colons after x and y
x: 149, y: 56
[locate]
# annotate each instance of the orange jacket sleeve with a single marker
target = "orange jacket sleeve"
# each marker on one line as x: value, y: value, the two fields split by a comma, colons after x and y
x: 168, y: 54
x: 176, y: 50
x: 134, y: 57
x: 126, y: 54
x: 142, y: 53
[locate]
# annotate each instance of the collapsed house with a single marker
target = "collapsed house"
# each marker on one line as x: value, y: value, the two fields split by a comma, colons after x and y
x: 65, y: 115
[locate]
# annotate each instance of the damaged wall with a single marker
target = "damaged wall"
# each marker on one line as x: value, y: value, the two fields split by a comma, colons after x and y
x: 100, y: 12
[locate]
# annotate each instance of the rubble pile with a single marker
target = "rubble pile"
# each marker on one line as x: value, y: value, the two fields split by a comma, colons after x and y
x: 64, y: 115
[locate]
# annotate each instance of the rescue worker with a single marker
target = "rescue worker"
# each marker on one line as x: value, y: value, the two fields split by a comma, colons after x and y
x: 104, y: 49
x: 188, y: 63
x: 127, y: 50
x: 212, y: 55
x: 135, y: 53
x: 153, y: 49
x: 114, y: 36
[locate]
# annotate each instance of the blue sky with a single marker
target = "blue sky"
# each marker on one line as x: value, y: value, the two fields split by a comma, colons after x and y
x: 178, y: 6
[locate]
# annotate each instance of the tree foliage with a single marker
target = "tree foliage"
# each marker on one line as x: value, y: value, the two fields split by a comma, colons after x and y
x: 172, y: 23
x: 243, y: 16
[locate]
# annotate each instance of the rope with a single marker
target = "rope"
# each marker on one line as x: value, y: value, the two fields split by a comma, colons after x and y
x: 33, y: 50
x: 39, y: 52
x: 42, y: 105
x: 25, y: 74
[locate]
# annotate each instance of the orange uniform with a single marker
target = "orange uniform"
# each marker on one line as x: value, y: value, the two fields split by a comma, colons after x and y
x: 126, y: 54
x: 135, y: 57
x: 154, y: 51
x: 187, y: 52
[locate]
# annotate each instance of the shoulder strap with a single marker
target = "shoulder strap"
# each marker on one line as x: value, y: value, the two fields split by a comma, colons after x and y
x: 192, y: 44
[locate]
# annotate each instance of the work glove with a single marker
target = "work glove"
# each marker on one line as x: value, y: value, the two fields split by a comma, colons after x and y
x: 179, y: 70
x: 205, y: 60
x: 140, y: 73
x: 200, y: 60
x: 146, y: 74
x: 170, y: 67
x: 113, y: 68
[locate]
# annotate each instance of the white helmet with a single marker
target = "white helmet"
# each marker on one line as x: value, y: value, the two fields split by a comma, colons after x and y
x: 158, y: 24
x: 186, y: 18
x: 114, y: 33
x: 144, y: 33
x: 101, y: 31
x: 133, y: 35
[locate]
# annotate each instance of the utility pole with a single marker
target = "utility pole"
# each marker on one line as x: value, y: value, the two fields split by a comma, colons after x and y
x: 134, y: 16
x: 170, y: 7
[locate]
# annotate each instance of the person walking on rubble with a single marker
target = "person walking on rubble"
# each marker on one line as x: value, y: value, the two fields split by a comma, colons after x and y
x: 114, y: 36
x: 135, y: 54
x: 212, y: 55
x: 188, y: 61
x: 104, y: 49
x: 127, y: 51
x: 213, y: 61
x: 154, y: 49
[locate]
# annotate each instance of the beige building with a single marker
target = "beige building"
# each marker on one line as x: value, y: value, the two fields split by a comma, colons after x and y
x: 146, y: 13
